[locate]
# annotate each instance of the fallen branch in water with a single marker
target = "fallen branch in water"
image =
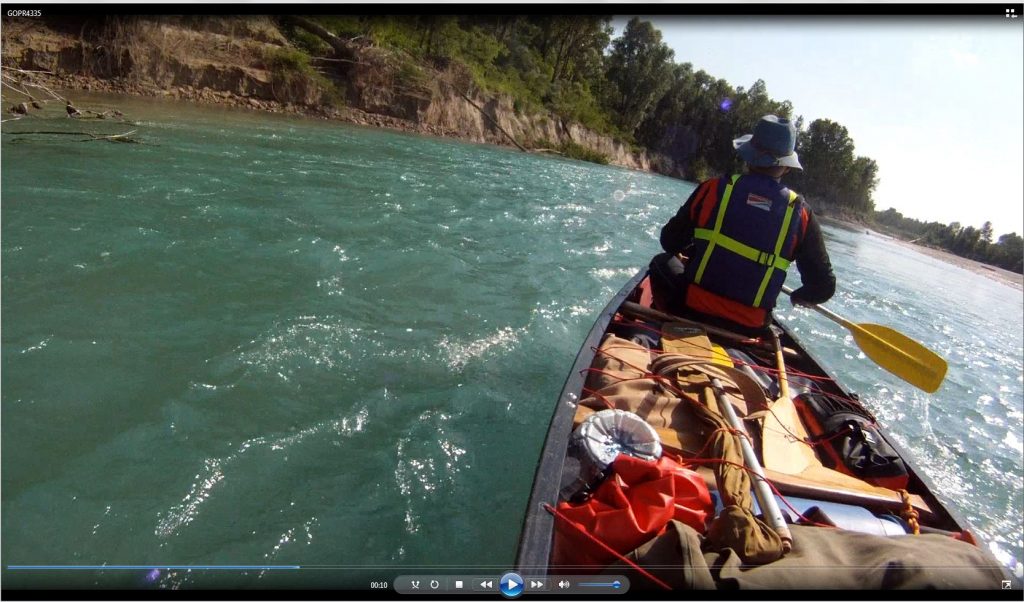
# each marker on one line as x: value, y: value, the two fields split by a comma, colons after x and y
x: 125, y: 137
x: 8, y: 80
x: 18, y: 90
x: 21, y: 81
x: 27, y: 70
x: 114, y: 137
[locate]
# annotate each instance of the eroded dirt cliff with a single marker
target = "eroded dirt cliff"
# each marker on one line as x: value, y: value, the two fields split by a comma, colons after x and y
x: 243, y: 61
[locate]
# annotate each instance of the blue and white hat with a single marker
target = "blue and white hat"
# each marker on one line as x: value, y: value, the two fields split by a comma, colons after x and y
x: 773, y: 143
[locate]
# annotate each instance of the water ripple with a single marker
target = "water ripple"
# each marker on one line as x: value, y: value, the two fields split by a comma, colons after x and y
x: 214, y: 471
x: 458, y: 353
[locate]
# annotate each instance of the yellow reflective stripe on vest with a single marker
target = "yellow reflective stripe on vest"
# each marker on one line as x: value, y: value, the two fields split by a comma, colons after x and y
x: 715, y: 238
x: 743, y: 250
x: 781, y: 240
x: 716, y: 234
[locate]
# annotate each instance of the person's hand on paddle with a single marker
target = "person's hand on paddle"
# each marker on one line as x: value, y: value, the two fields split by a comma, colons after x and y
x: 799, y: 301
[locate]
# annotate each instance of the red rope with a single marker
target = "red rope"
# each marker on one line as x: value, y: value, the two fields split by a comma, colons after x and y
x: 604, y: 351
x: 605, y: 547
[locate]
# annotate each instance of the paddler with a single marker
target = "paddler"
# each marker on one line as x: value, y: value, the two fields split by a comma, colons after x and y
x: 740, y: 234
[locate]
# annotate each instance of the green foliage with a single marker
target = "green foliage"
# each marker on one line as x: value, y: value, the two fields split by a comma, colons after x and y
x: 699, y: 170
x: 575, y: 151
x: 287, y: 60
x: 639, y: 71
x: 308, y: 43
x: 411, y: 75
x: 571, y: 149
x: 826, y: 153
x: 574, y: 101
x: 346, y: 26
x: 833, y: 175
x: 293, y: 77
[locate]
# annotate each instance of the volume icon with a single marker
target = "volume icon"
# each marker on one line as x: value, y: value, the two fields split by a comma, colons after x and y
x: 563, y: 584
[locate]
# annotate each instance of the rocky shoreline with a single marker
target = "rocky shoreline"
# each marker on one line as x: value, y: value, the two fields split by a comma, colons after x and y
x: 207, y: 96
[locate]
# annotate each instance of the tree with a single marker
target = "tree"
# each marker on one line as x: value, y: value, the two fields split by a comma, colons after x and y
x: 639, y: 72
x: 986, y: 232
x: 750, y: 105
x: 827, y: 157
x: 1010, y: 252
x: 668, y: 127
x: 965, y: 241
x: 579, y: 43
x: 860, y: 184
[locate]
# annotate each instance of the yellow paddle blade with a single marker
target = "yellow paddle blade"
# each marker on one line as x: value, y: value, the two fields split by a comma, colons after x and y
x: 903, y: 356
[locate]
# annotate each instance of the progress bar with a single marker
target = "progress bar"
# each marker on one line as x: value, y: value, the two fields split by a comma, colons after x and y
x: 146, y: 567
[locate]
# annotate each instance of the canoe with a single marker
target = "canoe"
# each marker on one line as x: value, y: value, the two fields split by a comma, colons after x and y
x: 891, y: 520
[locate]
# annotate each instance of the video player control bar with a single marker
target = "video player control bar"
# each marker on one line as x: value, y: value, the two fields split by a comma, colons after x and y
x: 511, y: 585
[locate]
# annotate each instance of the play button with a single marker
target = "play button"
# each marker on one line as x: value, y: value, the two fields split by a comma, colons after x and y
x: 511, y: 585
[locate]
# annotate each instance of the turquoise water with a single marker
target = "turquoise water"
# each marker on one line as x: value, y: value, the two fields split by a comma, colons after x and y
x: 259, y: 340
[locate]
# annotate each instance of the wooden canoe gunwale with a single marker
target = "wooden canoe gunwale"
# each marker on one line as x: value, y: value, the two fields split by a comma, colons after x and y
x: 534, y: 548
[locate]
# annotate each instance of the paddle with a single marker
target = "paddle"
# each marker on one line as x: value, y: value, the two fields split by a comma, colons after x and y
x: 642, y: 311
x: 893, y: 351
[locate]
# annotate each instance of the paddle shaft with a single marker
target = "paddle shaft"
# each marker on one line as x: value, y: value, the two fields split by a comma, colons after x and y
x: 823, y: 311
x: 635, y: 309
x: 763, y: 493
x: 854, y: 328
x: 893, y: 351
x: 781, y: 363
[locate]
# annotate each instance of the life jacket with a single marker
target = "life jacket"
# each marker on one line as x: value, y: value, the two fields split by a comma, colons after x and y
x: 744, y: 240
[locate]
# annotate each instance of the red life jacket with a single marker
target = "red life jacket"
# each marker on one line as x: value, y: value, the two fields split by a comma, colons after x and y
x: 747, y: 229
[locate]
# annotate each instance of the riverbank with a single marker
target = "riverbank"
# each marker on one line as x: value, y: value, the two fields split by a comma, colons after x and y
x: 998, y: 274
x: 68, y: 85
x: 247, y: 62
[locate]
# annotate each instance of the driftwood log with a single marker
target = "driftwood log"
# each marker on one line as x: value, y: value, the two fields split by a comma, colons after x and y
x: 125, y: 137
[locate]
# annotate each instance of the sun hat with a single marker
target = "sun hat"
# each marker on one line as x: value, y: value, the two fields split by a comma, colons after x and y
x: 772, y: 143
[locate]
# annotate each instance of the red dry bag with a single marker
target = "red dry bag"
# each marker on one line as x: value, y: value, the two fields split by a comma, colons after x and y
x: 630, y: 507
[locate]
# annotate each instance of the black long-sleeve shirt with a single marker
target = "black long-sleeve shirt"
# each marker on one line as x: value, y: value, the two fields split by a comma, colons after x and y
x: 812, y: 261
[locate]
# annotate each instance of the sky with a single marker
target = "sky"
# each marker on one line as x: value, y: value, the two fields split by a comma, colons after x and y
x: 937, y: 103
